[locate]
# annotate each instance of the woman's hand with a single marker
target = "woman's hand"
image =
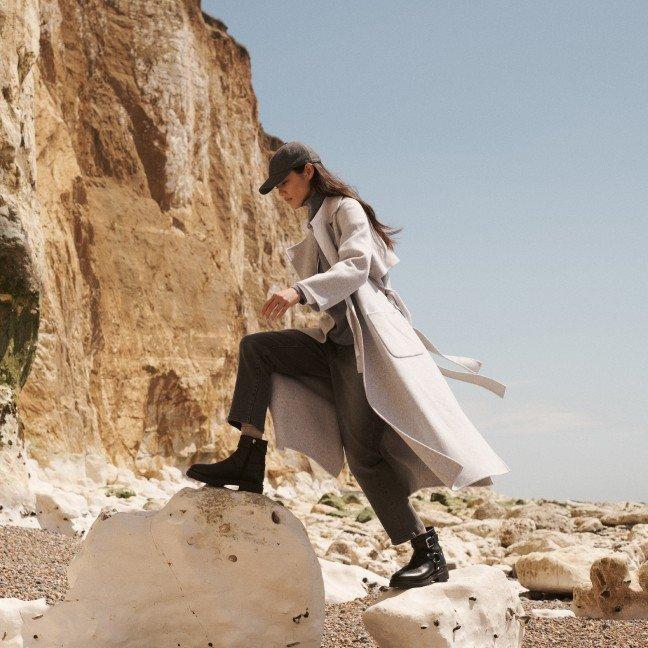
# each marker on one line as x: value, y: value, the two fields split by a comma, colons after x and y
x: 279, y: 302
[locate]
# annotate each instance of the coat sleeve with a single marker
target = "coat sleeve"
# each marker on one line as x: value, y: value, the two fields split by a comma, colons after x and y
x: 354, y: 253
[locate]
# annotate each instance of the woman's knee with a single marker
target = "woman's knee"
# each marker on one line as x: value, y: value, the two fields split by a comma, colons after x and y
x: 363, y: 461
x: 253, y: 341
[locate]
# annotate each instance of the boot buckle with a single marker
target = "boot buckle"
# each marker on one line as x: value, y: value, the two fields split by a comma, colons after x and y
x: 429, y: 542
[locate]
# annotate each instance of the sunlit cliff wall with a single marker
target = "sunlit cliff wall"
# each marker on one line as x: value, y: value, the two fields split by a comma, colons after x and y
x: 131, y: 155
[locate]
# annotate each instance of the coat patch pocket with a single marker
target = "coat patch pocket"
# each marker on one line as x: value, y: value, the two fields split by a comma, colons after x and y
x: 396, y: 333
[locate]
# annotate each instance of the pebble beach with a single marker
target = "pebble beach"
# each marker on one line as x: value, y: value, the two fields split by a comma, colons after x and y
x: 33, y: 564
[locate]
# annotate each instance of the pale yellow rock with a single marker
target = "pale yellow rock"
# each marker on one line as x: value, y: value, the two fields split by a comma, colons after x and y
x: 545, y: 516
x: 558, y: 571
x: 490, y: 510
x: 585, y: 509
x: 588, y: 524
x: 613, y: 593
x: 325, y: 509
x: 637, y: 516
x: 346, y: 550
x: 514, y: 529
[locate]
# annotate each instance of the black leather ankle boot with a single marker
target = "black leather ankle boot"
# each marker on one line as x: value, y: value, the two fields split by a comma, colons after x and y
x: 244, y: 468
x: 427, y: 564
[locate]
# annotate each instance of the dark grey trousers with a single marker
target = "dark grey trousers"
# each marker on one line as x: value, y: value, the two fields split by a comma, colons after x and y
x: 364, y: 433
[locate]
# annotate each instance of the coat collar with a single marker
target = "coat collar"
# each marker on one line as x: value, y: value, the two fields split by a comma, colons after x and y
x: 304, y: 254
x: 325, y: 213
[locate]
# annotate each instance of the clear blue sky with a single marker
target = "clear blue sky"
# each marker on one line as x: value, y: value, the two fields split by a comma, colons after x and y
x: 510, y: 141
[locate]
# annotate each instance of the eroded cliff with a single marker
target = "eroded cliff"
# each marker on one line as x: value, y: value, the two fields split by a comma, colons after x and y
x: 147, y: 251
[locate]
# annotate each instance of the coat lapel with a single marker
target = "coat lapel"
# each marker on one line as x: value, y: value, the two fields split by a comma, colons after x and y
x: 319, y: 223
x: 303, y: 255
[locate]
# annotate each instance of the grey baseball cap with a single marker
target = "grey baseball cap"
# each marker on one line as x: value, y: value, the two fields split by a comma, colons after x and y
x: 284, y: 159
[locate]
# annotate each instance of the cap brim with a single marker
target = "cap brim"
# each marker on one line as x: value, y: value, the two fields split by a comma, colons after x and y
x: 272, y: 181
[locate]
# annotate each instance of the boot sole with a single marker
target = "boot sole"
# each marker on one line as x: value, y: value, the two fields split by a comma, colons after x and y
x: 438, y: 577
x: 251, y: 487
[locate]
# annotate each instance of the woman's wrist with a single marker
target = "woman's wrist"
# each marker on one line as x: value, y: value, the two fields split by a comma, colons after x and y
x: 300, y: 292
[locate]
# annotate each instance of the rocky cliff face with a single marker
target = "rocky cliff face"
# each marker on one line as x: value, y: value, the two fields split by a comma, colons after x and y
x: 135, y: 247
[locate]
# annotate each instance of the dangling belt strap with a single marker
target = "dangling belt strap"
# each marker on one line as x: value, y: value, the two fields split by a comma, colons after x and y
x: 470, y: 364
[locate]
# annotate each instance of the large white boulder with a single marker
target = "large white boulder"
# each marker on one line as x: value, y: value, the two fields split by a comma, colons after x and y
x: 477, y: 608
x: 214, y: 567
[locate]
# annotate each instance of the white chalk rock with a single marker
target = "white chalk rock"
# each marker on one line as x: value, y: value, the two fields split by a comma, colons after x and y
x: 60, y: 511
x: 548, y: 613
x: 541, y: 540
x: 638, y: 533
x: 559, y: 571
x: 460, y: 551
x: 485, y: 528
x: 13, y: 613
x: 477, y: 608
x: 436, y: 518
x: 343, y: 583
x: 213, y: 567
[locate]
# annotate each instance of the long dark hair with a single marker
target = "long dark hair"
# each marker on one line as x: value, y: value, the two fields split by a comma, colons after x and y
x: 330, y: 185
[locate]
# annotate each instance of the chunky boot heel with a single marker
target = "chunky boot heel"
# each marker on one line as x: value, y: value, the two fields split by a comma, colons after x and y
x: 426, y: 566
x: 244, y: 468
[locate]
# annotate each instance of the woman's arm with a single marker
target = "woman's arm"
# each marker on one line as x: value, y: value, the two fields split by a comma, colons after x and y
x: 354, y: 252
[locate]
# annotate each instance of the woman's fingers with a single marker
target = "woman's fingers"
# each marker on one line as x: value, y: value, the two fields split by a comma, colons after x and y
x: 275, y: 307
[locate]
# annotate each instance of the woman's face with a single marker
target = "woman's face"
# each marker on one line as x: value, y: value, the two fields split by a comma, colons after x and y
x: 296, y: 187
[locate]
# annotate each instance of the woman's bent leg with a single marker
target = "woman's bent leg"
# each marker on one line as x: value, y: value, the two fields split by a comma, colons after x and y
x: 289, y: 351
x: 362, y: 429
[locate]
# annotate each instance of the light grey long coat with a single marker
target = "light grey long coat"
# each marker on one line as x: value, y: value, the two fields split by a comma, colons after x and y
x: 403, y: 383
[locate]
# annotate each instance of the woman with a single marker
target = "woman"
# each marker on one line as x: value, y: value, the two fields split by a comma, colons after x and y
x: 362, y: 381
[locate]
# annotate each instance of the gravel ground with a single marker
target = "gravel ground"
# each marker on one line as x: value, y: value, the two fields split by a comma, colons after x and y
x: 33, y: 564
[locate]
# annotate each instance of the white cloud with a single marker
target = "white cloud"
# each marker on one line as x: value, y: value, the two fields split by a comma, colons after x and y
x: 539, y: 419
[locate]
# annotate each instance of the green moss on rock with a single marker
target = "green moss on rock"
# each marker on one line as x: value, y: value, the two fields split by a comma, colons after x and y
x: 365, y: 515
